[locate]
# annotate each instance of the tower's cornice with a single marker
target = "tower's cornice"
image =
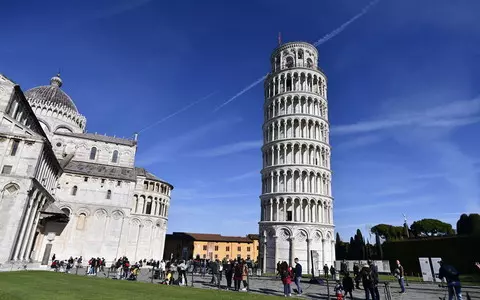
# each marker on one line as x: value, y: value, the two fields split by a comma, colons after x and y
x: 293, y: 45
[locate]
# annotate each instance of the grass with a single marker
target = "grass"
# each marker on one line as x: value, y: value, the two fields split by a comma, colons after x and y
x: 41, y: 285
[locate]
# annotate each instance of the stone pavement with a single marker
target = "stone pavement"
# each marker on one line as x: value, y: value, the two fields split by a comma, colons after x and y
x: 272, y: 286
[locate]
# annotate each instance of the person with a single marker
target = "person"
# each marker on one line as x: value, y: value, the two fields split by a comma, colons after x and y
x: 356, y: 273
x: 400, y: 274
x: 214, y: 267
x: 298, y: 276
x: 347, y: 283
x: 343, y: 268
x: 278, y: 269
x: 244, y: 275
x: 325, y: 270
x: 367, y: 282
x: 339, y: 290
x: 237, y: 275
x: 451, y: 275
x: 182, y: 273
x: 169, y: 278
x: 162, y: 269
x: 228, y: 269
x: 286, y: 277
x: 333, y: 272
x: 374, y: 270
x: 220, y: 270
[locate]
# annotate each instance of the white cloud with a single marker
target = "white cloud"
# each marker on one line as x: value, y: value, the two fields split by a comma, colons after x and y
x: 243, y: 176
x: 360, y: 141
x: 167, y: 150
x: 395, y: 203
x: 230, y: 149
x: 454, y: 114
x: 189, y: 194
x: 120, y: 8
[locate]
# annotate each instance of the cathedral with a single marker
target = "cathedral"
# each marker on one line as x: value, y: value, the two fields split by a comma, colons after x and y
x: 67, y: 192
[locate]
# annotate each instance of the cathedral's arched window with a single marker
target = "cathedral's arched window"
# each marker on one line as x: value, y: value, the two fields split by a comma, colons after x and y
x: 115, y: 156
x: 74, y: 190
x: 81, y: 221
x: 11, y: 188
x: 148, y: 210
x: 300, y: 54
x: 93, y: 153
x: 109, y: 194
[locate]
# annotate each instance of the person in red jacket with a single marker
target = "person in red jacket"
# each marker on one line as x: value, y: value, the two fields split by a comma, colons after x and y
x: 286, y: 274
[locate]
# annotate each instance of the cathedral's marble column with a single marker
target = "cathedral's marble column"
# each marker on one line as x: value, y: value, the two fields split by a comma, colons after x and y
x: 28, y: 229
x: 26, y: 220
x: 24, y: 254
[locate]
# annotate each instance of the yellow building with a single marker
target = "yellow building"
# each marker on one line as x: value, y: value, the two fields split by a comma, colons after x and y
x: 183, y: 245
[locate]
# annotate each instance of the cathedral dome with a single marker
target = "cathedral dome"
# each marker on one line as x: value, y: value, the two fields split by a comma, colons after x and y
x: 51, y: 95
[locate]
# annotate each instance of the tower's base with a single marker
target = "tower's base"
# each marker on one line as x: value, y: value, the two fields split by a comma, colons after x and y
x: 312, y: 244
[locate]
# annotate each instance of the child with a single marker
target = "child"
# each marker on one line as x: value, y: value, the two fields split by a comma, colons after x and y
x: 167, y: 278
x: 339, y: 291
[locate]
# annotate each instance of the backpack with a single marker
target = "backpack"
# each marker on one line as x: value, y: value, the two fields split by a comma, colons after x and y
x: 450, y: 272
x: 367, y: 276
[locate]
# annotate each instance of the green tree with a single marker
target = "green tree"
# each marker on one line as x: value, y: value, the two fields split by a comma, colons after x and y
x: 358, y: 247
x: 430, y: 227
x: 341, y: 248
x: 475, y: 223
x: 388, y: 232
x: 382, y: 230
x: 468, y: 224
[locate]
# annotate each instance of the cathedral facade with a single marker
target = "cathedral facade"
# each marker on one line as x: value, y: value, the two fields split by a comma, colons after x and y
x: 296, y: 201
x: 68, y: 192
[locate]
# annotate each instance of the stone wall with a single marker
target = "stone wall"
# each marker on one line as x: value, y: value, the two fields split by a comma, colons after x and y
x: 82, y: 148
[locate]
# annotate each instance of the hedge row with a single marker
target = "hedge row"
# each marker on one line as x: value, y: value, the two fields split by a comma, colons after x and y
x: 460, y: 251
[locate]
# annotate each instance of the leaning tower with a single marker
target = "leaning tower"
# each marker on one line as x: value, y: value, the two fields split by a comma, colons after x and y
x: 296, y: 201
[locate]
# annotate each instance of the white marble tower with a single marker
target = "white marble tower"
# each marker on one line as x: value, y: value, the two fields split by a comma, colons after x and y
x: 296, y: 200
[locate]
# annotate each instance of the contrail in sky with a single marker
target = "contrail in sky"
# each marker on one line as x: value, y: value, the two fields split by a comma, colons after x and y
x: 327, y: 37
x: 345, y: 25
x: 177, y: 112
x: 241, y: 92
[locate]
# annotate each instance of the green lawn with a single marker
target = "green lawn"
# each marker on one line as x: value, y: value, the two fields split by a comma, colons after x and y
x: 41, y: 285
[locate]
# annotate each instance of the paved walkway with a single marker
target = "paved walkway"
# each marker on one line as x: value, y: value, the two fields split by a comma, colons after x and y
x: 272, y: 286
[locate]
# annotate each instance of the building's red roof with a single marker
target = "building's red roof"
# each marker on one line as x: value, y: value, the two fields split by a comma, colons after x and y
x: 212, y: 237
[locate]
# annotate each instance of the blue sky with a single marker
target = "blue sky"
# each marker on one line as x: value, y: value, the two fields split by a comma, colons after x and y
x: 403, y: 97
